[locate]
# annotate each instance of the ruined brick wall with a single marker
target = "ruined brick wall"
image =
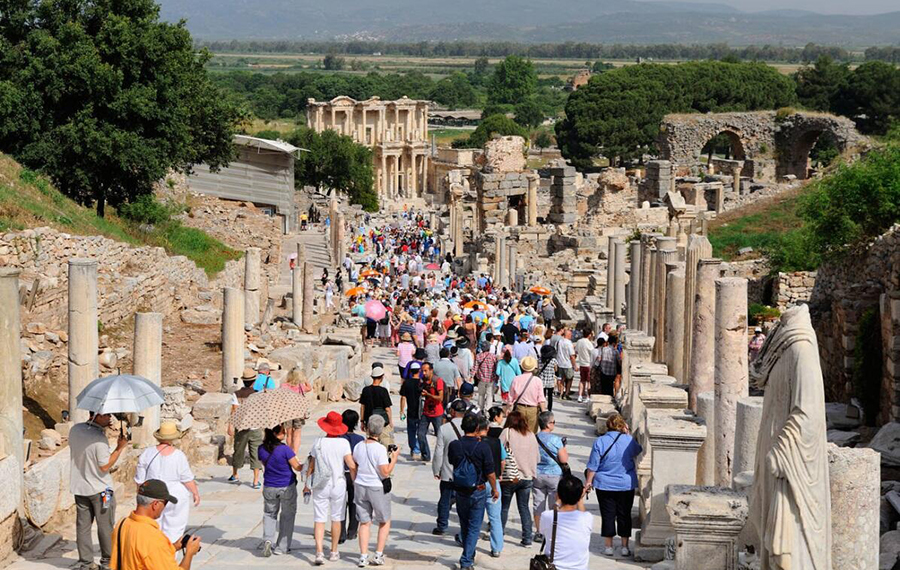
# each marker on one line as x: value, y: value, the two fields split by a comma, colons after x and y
x: 792, y: 288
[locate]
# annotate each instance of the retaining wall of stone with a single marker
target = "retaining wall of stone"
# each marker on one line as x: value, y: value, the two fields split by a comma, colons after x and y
x: 792, y: 288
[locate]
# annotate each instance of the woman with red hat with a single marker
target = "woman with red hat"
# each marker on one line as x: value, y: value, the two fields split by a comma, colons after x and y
x: 325, y: 479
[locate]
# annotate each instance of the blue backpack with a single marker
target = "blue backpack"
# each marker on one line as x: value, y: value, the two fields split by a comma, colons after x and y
x: 465, y: 476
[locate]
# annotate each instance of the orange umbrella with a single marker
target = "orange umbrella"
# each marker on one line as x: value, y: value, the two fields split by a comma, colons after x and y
x: 540, y: 290
x: 475, y: 305
x: 370, y: 273
x: 355, y: 291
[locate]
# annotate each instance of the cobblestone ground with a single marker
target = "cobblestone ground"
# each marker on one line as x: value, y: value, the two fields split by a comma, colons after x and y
x: 229, y: 519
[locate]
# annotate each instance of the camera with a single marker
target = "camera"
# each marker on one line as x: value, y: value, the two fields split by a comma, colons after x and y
x: 392, y: 448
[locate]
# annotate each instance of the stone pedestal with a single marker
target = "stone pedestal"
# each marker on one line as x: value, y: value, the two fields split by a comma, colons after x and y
x: 674, y: 348
x: 309, y: 294
x: 855, y: 482
x: 675, y: 439
x: 512, y: 217
x: 511, y: 258
x: 84, y: 367
x: 657, y: 394
x: 619, y: 281
x: 297, y: 287
x: 706, y: 456
x: 11, y: 427
x: 707, y: 522
x: 731, y: 375
x: 634, y: 286
x: 252, y: 273
x: 638, y: 347
x: 148, y: 364
x: 665, y: 254
x: 611, y: 274
x: 746, y: 432
x: 232, y: 338
x: 698, y: 247
x: 701, y: 376
x: 640, y: 374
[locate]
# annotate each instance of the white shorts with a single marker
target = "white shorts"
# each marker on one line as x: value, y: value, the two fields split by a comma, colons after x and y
x: 330, y: 502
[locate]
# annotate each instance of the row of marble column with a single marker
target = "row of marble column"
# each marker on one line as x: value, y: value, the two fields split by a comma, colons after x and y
x: 505, y: 261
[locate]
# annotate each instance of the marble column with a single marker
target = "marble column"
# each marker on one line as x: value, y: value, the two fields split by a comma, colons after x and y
x: 675, y: 320
x: 748, y: 418
x: 619, y: 281
x: 297, y: 286
x: 706, y: 456
x: 309, y: 293
x: 84, y: 367
x: 698, y: 247
x: 703, y: 353
x: 707, y: 523
x: 232, y: 338
x: 512, y: 260
x: 252, y: 272
x: 634, y: 286
x: 731, y: 375
x: 459, y: 236
x: 638, y: 347
x: 498, y: 257
x: 611, y: 275
x: 854, y: 477
x: 665, y: 254
x: 533, y: 183
x: 502, y: 263
x: 11, y: 427
x: 148, y: 364
x: 512, y: 217
x: 648, y: 241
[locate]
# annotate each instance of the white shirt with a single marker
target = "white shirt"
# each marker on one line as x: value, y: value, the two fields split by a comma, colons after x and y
x: 368, y: 457
x: 583, y: 352
x: 331, y: 451
x: 564, y: 352
x: 573, y: 538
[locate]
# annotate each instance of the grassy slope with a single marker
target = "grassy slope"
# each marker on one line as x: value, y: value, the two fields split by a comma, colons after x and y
x: 758, y: 226
x: 28, y: 200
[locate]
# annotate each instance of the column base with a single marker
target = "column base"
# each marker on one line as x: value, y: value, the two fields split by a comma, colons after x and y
x: 648, y: 552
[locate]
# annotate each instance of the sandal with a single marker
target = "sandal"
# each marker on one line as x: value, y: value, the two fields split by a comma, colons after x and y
x: 255, y: 486
x: 233, y: 479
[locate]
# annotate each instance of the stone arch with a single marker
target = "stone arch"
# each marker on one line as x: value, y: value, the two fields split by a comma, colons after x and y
x: 798, y: 134
x: 734, y: 141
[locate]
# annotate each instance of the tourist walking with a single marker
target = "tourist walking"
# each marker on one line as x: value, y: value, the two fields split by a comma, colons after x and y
x: 565, y: 362
x: 485, y: 374
x: 279, y: 491
x: 574, y: 526
x: 611, y: 472
x: 246, y: 438
x: 441, y: 468
x: 376, y: 400
x: 432, y: 408
x: 170, y: 465
x: 553, y: 463
x: 496, y: 417
x: 350, y: 524
x: 325, y: 480
x: 406, y: 350
x: 756, y: 343
x: 90, y: 461
x: 372, y: 489
x: 607, y: 361
x: 296, y: 382
x: 584, y: 356
x: 527, y: 393
x: 507, y: 369
x: 473, y: 475
x: 547, y: 373
x: 410, y: 398
x: 521, y: 444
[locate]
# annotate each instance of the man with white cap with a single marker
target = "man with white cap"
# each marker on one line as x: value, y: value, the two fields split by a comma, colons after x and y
x: 756, y: 343
x: 375, y: 399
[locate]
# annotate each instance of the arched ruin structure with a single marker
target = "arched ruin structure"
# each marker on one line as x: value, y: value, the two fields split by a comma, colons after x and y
x: 769, y: 143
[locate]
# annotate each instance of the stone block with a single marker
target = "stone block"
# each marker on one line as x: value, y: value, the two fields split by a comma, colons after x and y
x: 10, y: 474
x: 707, y: 522
x: 43, y: 484
x: 212, y: 407
x: 855, y: 484
x: 887, y: 443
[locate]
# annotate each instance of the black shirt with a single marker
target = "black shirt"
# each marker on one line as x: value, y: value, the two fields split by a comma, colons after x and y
x: 479, y: 454
x: 412, y: 392
x: 509, y: 332
x: 493, y: 442
x: 374, y: 397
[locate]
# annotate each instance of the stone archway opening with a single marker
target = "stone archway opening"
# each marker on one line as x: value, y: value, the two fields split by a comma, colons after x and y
x: 726, y: 145
x: 814, y: 151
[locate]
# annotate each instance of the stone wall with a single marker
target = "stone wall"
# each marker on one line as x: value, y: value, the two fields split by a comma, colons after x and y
x: 792, y: 288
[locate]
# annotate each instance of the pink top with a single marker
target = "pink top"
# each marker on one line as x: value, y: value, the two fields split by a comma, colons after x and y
x: 420, y: 333
x: 533, y: 395
x: 405, y: 352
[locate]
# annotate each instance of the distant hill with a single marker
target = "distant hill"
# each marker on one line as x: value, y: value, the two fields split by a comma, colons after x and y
x: 596, y: 21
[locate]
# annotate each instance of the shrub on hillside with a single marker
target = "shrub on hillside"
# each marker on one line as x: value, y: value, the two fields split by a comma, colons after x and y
x: 146, y: 210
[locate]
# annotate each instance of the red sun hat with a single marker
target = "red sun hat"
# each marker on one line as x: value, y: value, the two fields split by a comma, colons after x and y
x: 333, y: 424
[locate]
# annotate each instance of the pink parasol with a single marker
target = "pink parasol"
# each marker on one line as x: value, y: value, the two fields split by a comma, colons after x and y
x: 375, y: 310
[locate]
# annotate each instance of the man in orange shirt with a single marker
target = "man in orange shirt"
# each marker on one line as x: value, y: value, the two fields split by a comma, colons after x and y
x: 139, y: 544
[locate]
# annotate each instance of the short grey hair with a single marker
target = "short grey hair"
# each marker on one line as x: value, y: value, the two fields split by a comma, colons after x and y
x: 375, y: 425
x: 143, y: 501
x: 544, y: 419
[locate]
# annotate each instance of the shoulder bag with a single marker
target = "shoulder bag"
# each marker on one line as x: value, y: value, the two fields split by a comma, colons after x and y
x: 544, y: 561
x: 605, y: 453
x: 322, y: 474
x: 386, y: 482
x: 527, y: 384
x: 510, y: 475
x: 566, y: 470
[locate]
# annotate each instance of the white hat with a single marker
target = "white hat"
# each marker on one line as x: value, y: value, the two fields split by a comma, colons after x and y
x: 758, y: 329
x: 377, y: 371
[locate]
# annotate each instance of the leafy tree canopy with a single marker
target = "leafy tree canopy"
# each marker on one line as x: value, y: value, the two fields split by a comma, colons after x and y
x: 105, y: 98
x: 514, y: 81
x: 454, y: 92
x: 818, y: 85
x: 528, y: 114
x: 493, y: 125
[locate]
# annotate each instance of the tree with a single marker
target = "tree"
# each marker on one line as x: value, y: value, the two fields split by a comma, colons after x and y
x: 600, y: 67
x: 480, y: 71
x: 871, y: 97
x: 493, y: 125
x: 514, y: 80
x: 818, y: 86
x: 528, y: 114
x: 543, y: 140
x: 333, y: 62
x: 335, y: 161
x: 454, y: 91
x: 106, y: 99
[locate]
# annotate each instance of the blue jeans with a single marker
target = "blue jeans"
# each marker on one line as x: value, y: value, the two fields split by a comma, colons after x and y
x: 412, y: 434
x: 443, y: 514
x: 424, y: 422
x: 522, y: 491
x: 470, y: 509
x: 493, y: 513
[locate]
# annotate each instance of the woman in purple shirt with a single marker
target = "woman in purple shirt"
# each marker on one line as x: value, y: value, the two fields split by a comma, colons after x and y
x: 279, y: 491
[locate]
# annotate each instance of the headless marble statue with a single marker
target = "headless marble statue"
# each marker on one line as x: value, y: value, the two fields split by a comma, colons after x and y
x: 790, y: 503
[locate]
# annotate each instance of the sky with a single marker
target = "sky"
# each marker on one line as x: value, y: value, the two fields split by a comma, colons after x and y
x: 820, y: 6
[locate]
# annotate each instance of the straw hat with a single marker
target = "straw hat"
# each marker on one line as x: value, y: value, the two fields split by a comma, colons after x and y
x: 406, y: 337
x: 248, y: 374
x: 168, y: 431
x: 528, y: 364
x: 333, y: 424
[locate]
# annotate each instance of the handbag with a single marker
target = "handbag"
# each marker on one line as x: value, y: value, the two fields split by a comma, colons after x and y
x: 386, y: 483
x: 564, y: 466
x: 322, y: 474
x: 510, y: 475
x: 544, y: 561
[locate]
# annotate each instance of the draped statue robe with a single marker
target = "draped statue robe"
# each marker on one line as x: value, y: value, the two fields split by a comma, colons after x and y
x: 790, y: 502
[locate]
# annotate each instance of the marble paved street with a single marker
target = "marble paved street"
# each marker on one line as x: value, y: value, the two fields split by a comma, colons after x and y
x: 229, y: 519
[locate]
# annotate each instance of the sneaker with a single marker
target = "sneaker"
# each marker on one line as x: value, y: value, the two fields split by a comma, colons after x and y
x: 255, y: 486
x: 320, y: 559
x: 538, y: 537
x: 580, y: 400
x: 438, y: 532
x: 608, y: 551
x: 363, y: 560
x: 267, y: 549
x: 458, y: 540
x: 233, y: 479
x: 525, y: 544
x: 625, y: 552
x: 378, y: 560
x: 495, y: 554
x: 335, y: 556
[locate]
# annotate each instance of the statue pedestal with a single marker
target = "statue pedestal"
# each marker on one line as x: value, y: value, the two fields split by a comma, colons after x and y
x: 707, y: 522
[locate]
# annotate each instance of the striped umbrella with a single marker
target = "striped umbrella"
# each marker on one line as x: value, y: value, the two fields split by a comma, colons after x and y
x: 270, y: 408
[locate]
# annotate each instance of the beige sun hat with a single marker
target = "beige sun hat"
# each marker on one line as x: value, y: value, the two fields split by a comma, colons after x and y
x: 528, y: 364
x: 248, y: 374
x: 168, y: 431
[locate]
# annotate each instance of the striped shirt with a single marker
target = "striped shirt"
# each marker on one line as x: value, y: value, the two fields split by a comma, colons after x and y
x: 485, y: 364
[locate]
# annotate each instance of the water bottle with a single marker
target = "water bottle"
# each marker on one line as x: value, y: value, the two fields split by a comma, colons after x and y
x: 306, y: 495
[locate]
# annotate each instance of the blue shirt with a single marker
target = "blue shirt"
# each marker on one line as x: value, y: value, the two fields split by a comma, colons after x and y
x: 546, y: 465
x: 479, y: 454
x: 277, y: 470
x: 616, y: 472
x: 263, y: 382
